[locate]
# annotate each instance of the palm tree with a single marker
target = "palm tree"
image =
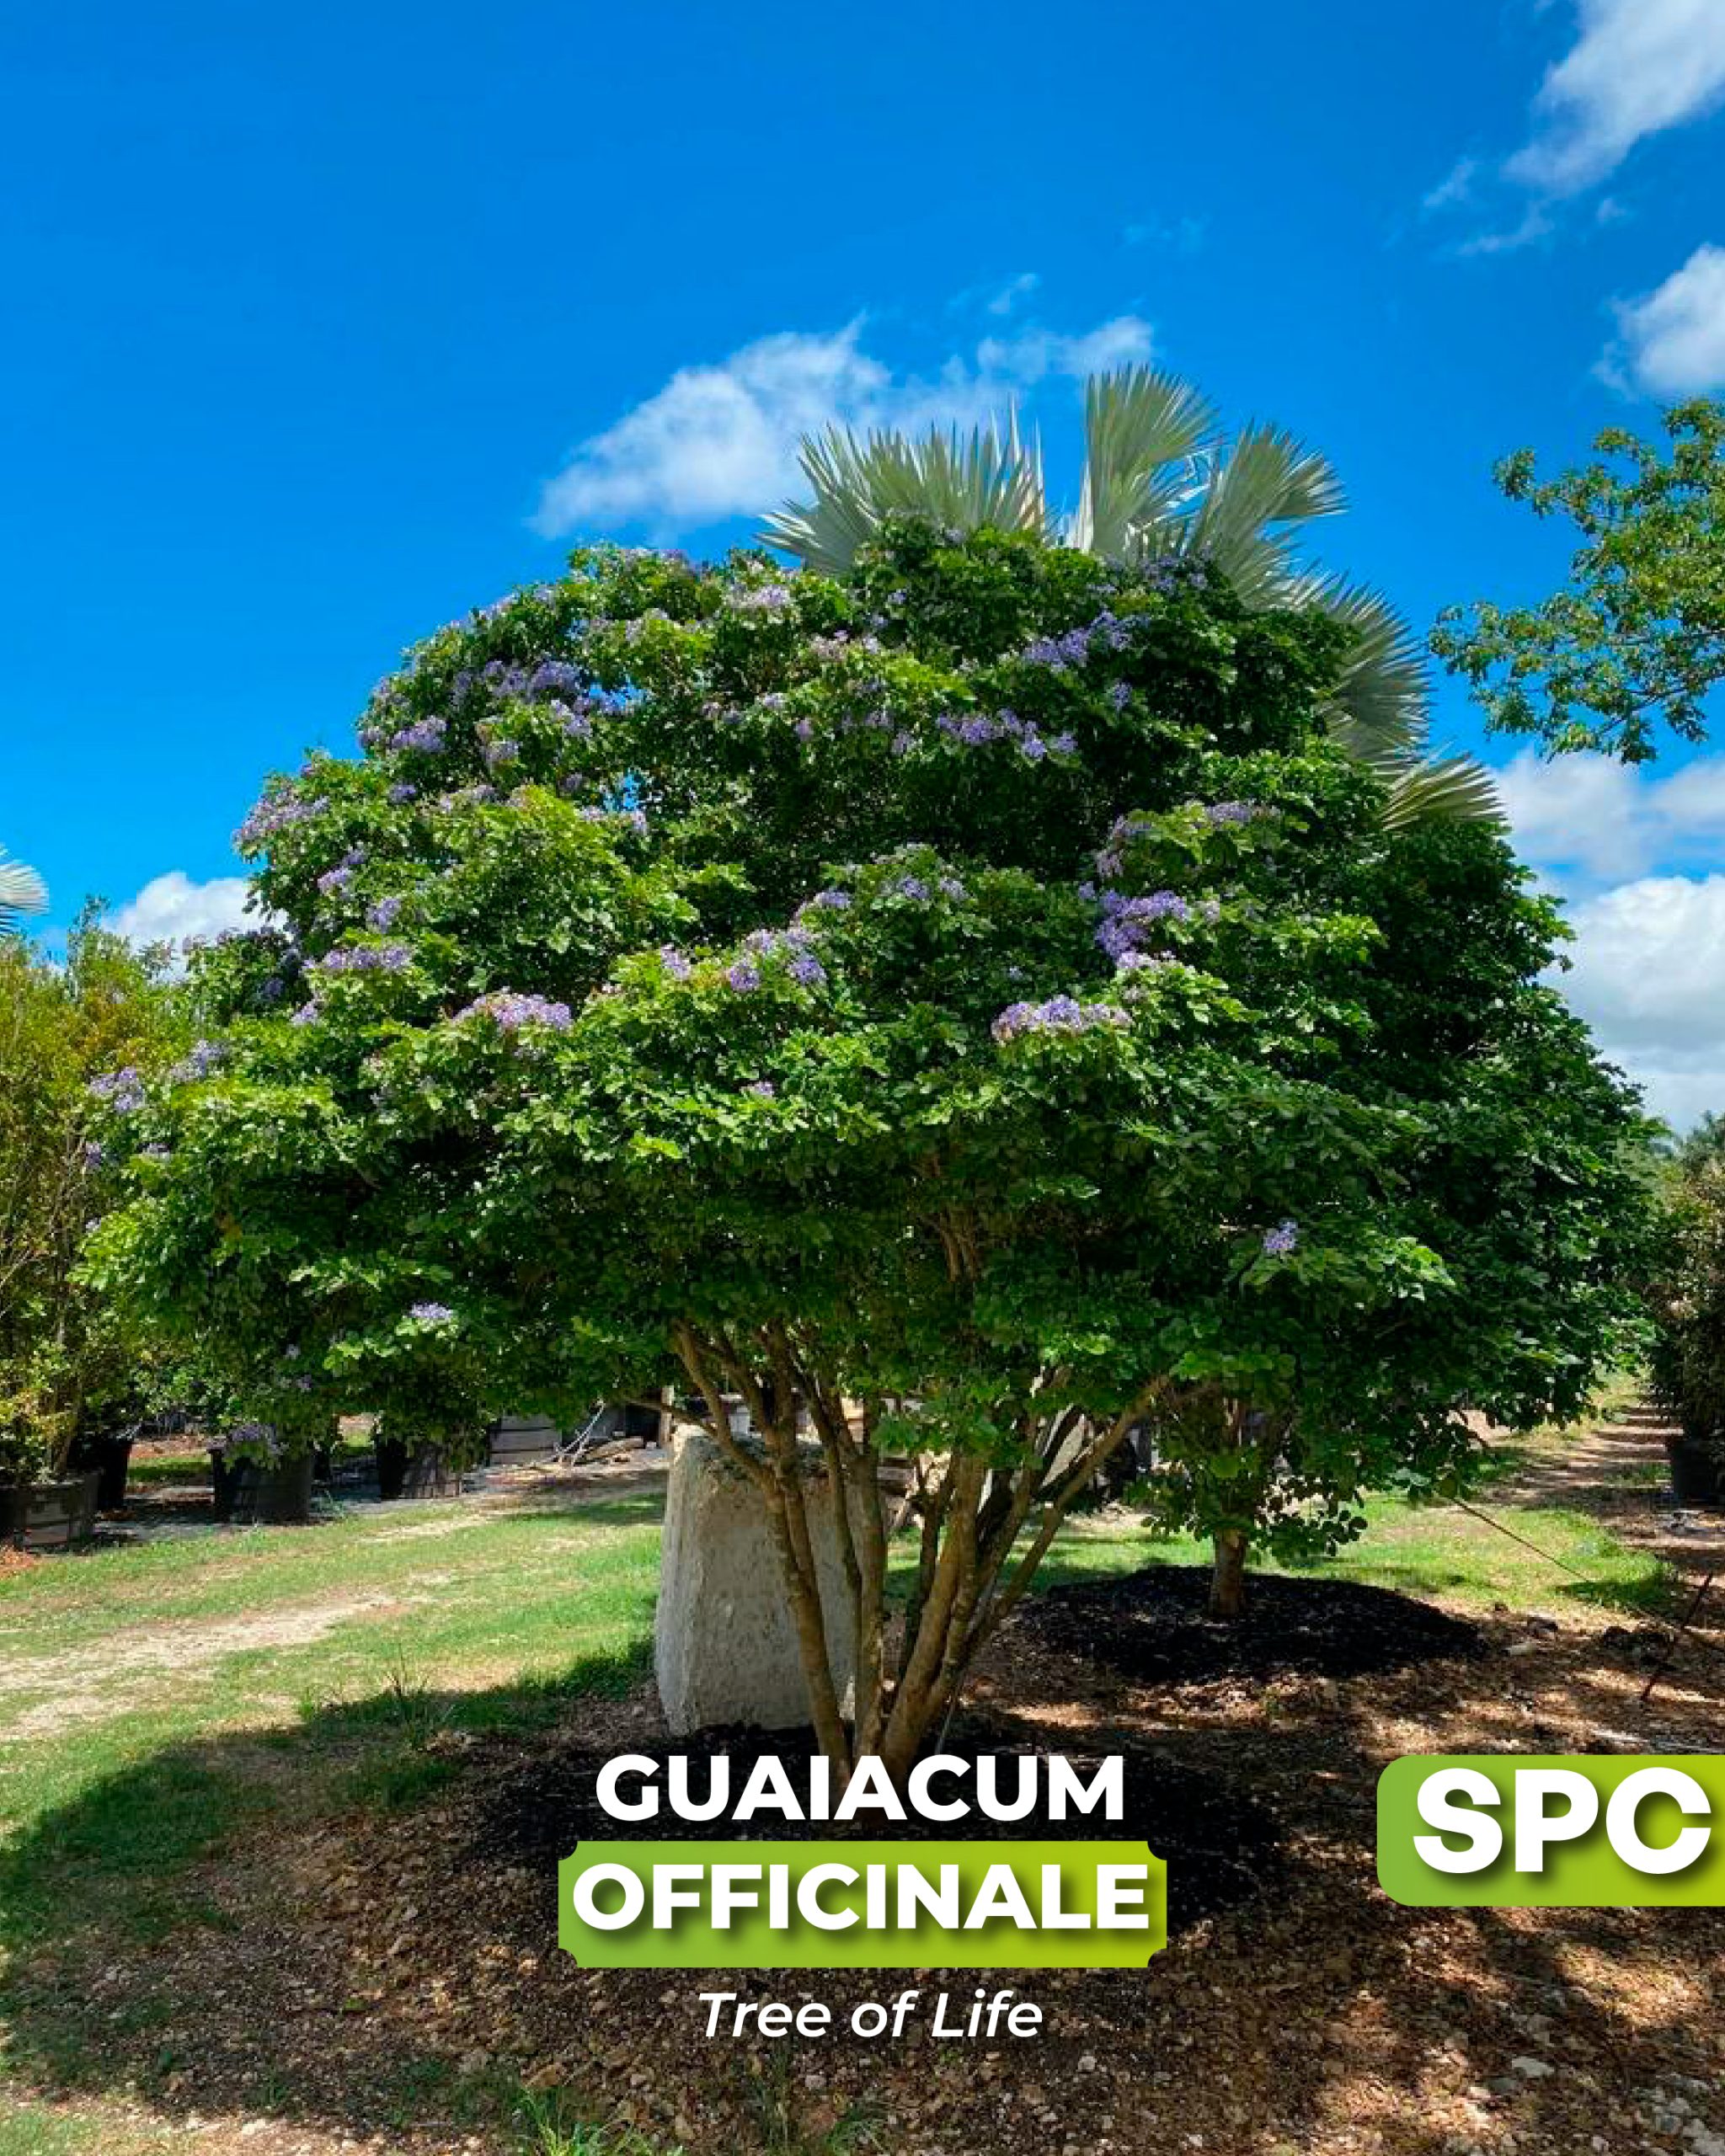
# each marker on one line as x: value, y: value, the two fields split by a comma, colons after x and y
x: 1160, y: 478
x: 22, y: 891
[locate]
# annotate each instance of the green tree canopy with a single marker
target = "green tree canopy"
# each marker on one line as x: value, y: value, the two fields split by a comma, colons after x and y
x: 970, y: 1002
x: 1636, y: 637
x: 100, y: 1018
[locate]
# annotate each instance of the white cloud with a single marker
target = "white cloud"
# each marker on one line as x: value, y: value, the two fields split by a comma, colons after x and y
x: 1637, y: 67
x: 1014, y: 289
x: 171, y: 907
x: 1456, y: 186
x: 1673, y: 341
x: 1589, y: 820
x: 1533, y: 226
x: 720, y: 440
x: 1649, y: 977
x: 1648, y: 963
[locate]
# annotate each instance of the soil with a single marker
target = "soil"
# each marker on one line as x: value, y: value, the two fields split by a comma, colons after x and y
x: 1154, y: 1626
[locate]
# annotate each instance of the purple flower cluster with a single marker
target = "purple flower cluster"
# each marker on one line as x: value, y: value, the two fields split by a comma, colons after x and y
x: 574, y: 718
x: 1126, y: 922
x: 334, y: 880
x: 402, y: 793
x: 1235, y: 812
x: 122, y: 1090
x: 467, y: 797
x: 509, y: 1011
x: 203, y: 1058
x: 1280, y: 1240
x: 763, y: 1089
x: 635, y: 819
x: 762, y: 599
x: 791, y: 944
x: 1060, y: 1014
x: 976, y: 730
x: 366, y: 959
x: 1105, y: 632
x: 307, y: 1014
x: 554, y: 678
x: 431, y: 1313
x: 500, y: 752
x: 425, y: 734
x: 384, y: 915
x: 279, y: 813
x: 674, y: 963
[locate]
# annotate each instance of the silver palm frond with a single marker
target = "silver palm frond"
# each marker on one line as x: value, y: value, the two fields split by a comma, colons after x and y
x: 987, y: 478
x: 1160, y: 477
x: 22, y: 891
x: 1146, y: 437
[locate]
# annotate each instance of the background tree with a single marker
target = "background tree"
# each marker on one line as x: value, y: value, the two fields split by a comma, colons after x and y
x: 1636, y: 637
x: 969, y: 1008
x: 1162, y: 482
x: 99, y: 1019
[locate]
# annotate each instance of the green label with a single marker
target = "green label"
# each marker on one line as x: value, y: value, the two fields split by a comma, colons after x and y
x: 855, y: 1905
x: 1517, y: 1831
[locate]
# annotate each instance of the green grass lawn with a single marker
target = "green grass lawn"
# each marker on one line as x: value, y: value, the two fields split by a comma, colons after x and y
x: 156, y: 1701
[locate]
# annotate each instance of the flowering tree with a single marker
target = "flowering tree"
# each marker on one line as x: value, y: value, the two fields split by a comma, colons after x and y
x: 966, y: 1008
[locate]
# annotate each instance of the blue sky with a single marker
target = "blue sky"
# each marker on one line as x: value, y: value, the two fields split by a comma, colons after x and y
x: 322, y: 325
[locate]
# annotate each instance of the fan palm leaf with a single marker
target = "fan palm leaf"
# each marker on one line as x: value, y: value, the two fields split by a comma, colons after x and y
x: 1159, y: 478
x: 22, y: 892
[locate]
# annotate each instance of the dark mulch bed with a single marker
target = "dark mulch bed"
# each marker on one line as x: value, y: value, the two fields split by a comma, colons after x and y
x: 1153, y: 1626
x: 1221, y: 1848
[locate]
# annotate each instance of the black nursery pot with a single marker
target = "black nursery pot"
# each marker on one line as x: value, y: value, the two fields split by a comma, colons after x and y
x: 419, y: 1472
x: 1697, y: 1475
x: 254, y: 1493
x: 41, y: 1516
x: 109, y: 1458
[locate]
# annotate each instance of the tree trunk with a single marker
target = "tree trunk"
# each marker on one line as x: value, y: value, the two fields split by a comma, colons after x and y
x: 1227, y: 1578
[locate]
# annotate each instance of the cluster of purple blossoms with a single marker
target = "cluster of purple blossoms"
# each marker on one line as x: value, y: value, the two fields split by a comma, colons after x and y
x: 93, y: 1154
x: 763, y: 1089
x: 1107, y: 633
x: 404, y: 793
x: 1127, y: 922
x: 431, y: 1313
x: 500, y: 752
x: 334, y: 880
x: 279, y: 813
x: 1060, y: 1014
x: 1281, y: 1239
x: 760, y: 599
x: 122, y: 1090
x: 976, y: 730
x: 791, y: 944
x: 825, y: 902
x: 1235, y: 812
x: 674, y: 963
x: 1120, y: 695
x: 554, y: 678
x: 424, y: 735
x: 307, y: 1014
x: 203, y: 1058
x: 911, y: 887
x: 509, y: 1011
x: 383, y: 915
x: 467, y: 797
x: 366, y: 959
x: 573, y: 719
